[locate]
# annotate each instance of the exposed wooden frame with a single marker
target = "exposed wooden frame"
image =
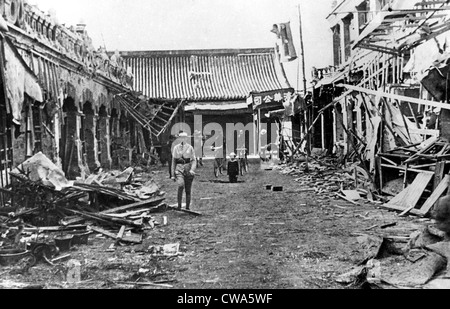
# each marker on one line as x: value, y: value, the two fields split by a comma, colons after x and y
x: 400, y: 98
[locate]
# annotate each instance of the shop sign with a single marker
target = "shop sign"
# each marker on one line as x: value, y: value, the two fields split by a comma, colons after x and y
x: 259, y: 100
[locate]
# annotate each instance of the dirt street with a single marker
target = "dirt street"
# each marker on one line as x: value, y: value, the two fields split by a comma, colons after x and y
x: 247, y: 238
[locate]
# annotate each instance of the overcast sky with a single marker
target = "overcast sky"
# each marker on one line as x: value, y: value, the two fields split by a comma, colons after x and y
x: 200, y: 24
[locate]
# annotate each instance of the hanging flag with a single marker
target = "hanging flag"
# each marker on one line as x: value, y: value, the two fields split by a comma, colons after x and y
x: 285, y: 43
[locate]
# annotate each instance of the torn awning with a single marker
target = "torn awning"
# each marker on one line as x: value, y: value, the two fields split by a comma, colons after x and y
x: 19, y: 79
x: 404, y: 24
x: 156, y: 118
x: 48, y: 73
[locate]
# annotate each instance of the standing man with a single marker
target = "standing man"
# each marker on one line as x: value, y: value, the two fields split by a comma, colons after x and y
x: 184, y: 164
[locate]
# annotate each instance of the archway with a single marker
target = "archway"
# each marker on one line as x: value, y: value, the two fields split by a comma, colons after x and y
x: 103, y: 136
x: 87, y: 133
x: 68, y: 147
x: 124, y: 142
x: 114, y: 132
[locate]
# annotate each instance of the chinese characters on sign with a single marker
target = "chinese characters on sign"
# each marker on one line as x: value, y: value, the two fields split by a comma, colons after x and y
x: 260, y: 100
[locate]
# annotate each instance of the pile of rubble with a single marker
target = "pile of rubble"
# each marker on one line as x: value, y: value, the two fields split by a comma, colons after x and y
x: 417, y: 261
x: 410, y: 256
x: 43, y: 214
x: 327, y: 178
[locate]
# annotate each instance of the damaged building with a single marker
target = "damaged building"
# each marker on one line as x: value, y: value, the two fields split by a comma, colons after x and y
x: 384, y: 100
x: 214, y: 86
x: 62, y: 97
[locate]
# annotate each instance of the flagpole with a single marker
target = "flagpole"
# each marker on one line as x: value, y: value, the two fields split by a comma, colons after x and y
x: 302, y: 48
x: 302, y: 51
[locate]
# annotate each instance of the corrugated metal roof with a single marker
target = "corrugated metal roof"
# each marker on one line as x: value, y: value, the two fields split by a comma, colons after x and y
x: 205, y: 75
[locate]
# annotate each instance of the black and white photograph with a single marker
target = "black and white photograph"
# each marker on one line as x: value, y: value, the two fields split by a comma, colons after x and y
x: 193, y: 146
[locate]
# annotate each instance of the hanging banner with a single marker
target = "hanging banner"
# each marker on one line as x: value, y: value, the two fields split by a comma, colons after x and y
x: 285, y: 42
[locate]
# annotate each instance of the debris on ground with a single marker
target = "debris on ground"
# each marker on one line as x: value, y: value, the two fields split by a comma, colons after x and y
x: 329, y: 179
x: 409, y: 179
x: 45, y: 214
x: 398, y: 262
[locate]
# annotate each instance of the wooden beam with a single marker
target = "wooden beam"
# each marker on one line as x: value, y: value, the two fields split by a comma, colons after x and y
x: 397, y: 97
x: 402, y: 168
x: 105, y: 219
x: 425, y: 3
x: 380, y: 49
x: 410, y: 196
x: 347, y: 199
x: 425, y: 132
x: 128, y: 239
x: 55, y: 228
x: 401, y: 209
x: 395, y: 19
x: 435, y: 196
x: 380, y: 171
x: 171, y: 118
x: 389, y: 161
x: 153, y: 201
x: 120, y: 234
x: 439, y: 173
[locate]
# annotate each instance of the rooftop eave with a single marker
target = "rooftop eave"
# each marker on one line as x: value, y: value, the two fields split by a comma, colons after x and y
x: 197, y: 52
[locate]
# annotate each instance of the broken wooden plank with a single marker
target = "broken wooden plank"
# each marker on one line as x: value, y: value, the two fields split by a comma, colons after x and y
x: 105, y: 219
x: 435, y: 196
x: 61, y: 258
x: 121, y: 232
x: 401, y: 209
x: 103, y: 232
x: 105, y: 190
x: 109, y: 214
x: 91, y: 217
x: 399, y: 197
x: 186, y: 211
x: 54, y: 228
x: 385, y: 226
x: 407, y: 210
x: 371, y: 228
x: 155, y: 201
x: 130, y: 213
x: 380, y: 171
x: 348, y: 200
x: 409, y: 197
x: 439, y: 173
x: 128, y: 239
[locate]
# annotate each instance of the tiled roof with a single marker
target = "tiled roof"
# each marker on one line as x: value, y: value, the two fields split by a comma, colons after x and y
x: 205, y: 75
